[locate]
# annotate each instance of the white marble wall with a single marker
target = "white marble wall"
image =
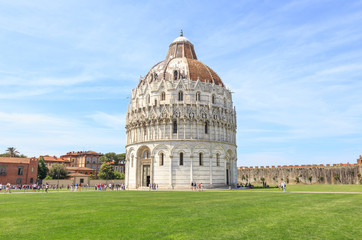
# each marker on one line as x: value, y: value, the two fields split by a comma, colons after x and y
x: 173, y: 175
x: 150, y: 125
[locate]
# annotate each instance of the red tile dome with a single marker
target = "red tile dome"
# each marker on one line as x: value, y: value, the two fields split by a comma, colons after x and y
x: 181, y: 62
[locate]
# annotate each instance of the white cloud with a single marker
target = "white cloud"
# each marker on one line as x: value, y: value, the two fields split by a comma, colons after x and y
x: 117, y: 121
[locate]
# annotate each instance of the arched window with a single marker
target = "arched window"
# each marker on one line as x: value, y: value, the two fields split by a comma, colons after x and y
x: 213, y: 99
x: 217, y: 159
x: 198, y: 96
x: 155, y: 102
x: 206, y: 127
x: 156, y: 76
x: 163, y: 96
x: 162, y: 158
x: 181, y: 159
x: 146, y: 154
x: 148, y: 99
x: 224, y: 102
x: 174, y: 126
x: 175, y: 75
x: 200, y: 159
x: 180, y: 96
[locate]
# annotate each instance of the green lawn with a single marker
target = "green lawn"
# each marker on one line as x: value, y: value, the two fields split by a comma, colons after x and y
x: 180, y: 215
x: 315, y: 188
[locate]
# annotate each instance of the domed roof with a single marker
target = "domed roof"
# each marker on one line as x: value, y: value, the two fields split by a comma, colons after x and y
x: 181, y: 62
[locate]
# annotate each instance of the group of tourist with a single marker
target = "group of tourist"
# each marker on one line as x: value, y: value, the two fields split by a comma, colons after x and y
x: 109, y: 187
x: 197, y: 186
x: 73, y: 187
x: 153, y: 186
x: 6, y: 187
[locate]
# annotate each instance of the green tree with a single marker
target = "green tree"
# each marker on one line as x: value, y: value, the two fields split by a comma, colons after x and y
x: 113, y: 157
x: 262, y: 179
x: 118, y: 175
x: 42, y: 169
x: 106, y: 171
x: 12, y: 152
x: 58, y: 171
x: 310, y: 179
x: 297, y: 179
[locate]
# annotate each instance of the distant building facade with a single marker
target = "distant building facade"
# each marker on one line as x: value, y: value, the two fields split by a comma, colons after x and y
x: 18, y: 171
x: 50, y: 160
x: 82, y: 162
x: 88, y: 159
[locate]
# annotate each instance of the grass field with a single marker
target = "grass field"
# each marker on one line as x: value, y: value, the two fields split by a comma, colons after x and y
x: 316, y: 188
x: 180, y: 215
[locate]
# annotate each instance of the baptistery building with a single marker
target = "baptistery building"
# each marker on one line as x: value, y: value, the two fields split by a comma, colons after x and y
x: 181, y: 125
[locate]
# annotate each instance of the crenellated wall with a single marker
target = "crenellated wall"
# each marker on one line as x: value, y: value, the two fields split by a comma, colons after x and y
x: 305, y: 174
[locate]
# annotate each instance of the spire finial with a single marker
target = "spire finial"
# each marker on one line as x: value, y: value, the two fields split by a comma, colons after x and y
x: 182, y: 33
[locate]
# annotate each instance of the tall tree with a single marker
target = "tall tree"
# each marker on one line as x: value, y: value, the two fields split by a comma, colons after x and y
x: 58, y: 171
x: 42, y: 169
x: 106, y: 171
x: 113, y: 157
x: 12, y: 152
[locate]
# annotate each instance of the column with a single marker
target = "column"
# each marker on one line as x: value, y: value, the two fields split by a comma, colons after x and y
x: 152, y: 169
x: 148, y: 126
x: 191, y: 129
x: 171, y: 124
x: 184, y: 129
x: 178, y: 129
x: 171, y: 175
x: 225, y: 164
x: 219, y: 129
x: 191, y: 169
x: 164, y: 130
x: 127, y: 173
x: 210, y: 169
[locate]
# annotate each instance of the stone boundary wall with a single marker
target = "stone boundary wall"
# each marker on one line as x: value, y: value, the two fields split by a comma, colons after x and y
x: 304, y: 174
x: 92, y: 183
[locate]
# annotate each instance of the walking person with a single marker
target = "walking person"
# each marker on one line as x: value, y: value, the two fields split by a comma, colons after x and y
x: 284, y: 185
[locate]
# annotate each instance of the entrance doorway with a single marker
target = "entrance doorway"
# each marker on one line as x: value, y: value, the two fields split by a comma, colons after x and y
x: 146, y: 176
x: 227, y: 176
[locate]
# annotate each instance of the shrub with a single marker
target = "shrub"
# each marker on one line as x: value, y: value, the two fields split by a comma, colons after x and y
x: 297, y: 179
x: 336, y: 177
x: 48, y: 178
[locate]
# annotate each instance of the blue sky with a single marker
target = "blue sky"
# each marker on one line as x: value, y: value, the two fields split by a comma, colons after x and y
x: 295, y: 67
